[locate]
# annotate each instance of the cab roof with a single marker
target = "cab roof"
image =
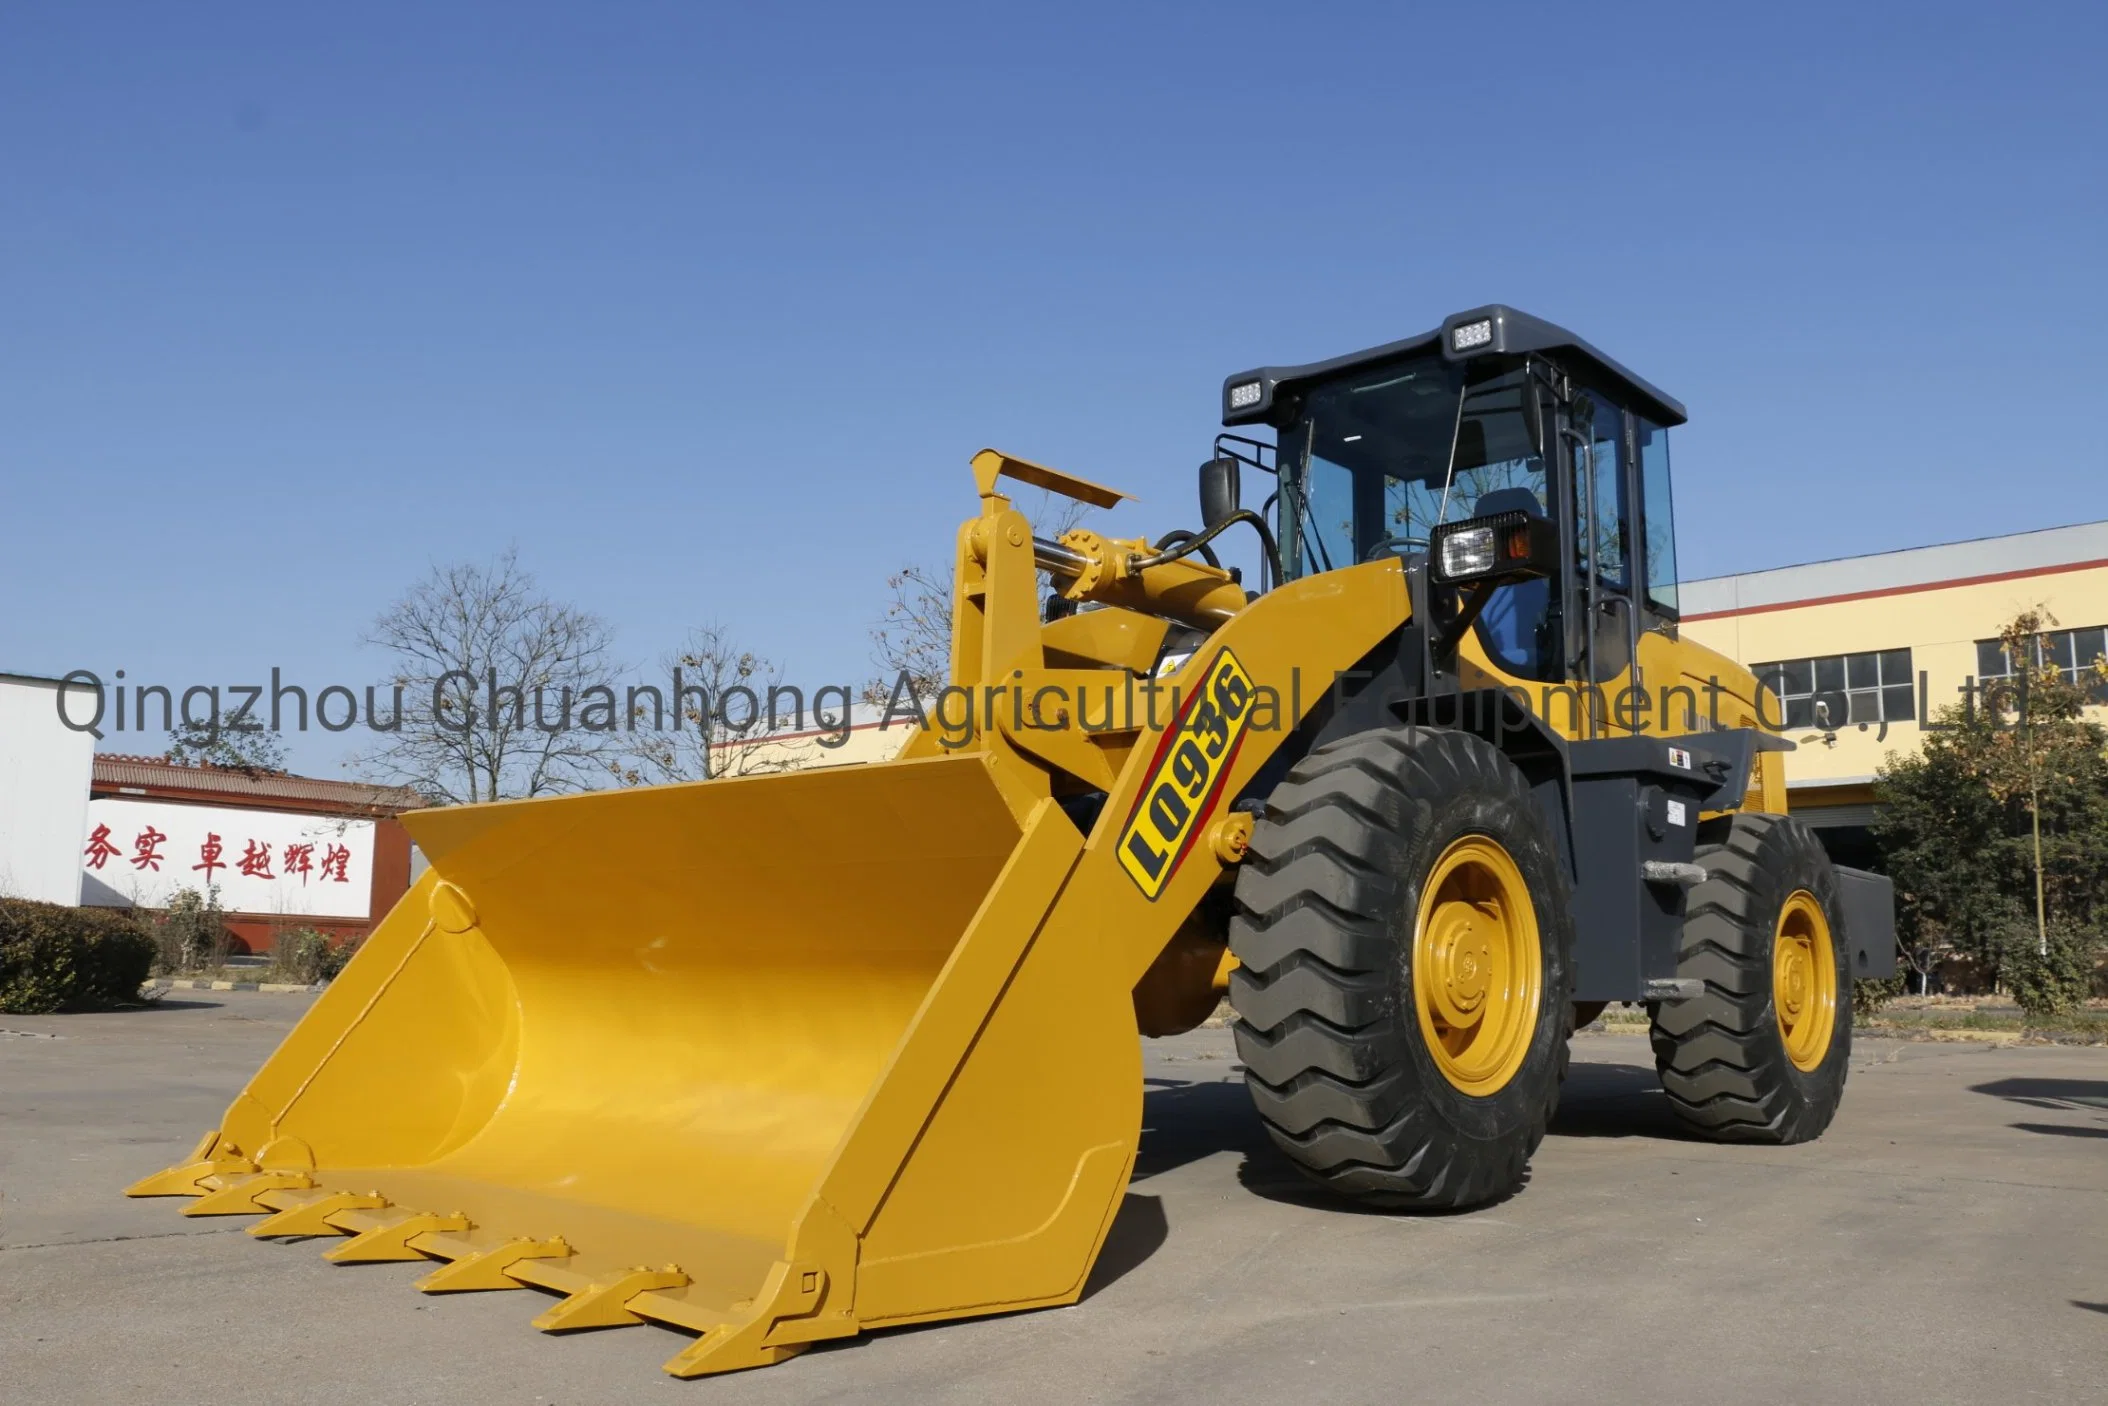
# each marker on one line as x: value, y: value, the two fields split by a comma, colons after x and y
x: 1510, y: 333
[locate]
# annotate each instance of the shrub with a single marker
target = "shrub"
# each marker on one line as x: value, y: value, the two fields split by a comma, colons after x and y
x: 307, y: 956
x: 191, y: 935
x: 54, y: 958
x: 1870, y: 994
x: 2052, y: 983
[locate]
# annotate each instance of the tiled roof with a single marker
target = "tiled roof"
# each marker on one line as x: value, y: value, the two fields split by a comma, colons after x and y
x: 159, y: 776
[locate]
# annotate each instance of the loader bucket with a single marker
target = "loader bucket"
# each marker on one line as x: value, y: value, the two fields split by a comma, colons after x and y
x: 775, y: 1059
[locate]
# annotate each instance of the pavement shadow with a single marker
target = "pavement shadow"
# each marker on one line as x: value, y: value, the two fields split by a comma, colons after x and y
x: 2082, y: 1096
x: 2059, y: 1095
x: 1139, y: 1230
x: 1185, y: 1121
x: 1615, y: 1100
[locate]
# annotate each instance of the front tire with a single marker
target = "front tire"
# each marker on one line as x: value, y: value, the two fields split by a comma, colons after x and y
x: 1405, y: 938
x: 1762, y: 1055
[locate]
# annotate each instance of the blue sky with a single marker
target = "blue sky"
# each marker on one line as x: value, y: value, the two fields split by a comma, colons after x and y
x: 704, y: 308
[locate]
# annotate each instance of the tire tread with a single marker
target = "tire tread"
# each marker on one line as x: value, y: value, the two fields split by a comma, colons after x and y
x: 1720, y: 1058
x: 1319, y: 1025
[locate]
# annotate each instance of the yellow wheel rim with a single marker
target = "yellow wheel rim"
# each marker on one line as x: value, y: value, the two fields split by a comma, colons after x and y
x: 1804, y: 980
x: 1478, y: 967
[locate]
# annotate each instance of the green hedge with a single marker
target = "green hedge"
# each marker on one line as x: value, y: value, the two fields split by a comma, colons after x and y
x: 69, y: 959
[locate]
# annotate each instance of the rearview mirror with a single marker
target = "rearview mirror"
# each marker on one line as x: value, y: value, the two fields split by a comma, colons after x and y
x: 1218, y: 490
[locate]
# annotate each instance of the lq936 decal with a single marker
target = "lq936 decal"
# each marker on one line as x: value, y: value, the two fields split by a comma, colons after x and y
x: 1186, y: 776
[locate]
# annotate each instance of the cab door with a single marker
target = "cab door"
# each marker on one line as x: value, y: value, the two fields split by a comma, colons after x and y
x: 1610, y: 662
x: 1668, y: 668
x: 1498, y: 464
x: 1604, y: 638
x: 1669, y: 693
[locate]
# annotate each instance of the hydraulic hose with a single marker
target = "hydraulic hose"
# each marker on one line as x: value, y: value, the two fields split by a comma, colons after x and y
x: 1270, y: 555
x: 1180, y: 534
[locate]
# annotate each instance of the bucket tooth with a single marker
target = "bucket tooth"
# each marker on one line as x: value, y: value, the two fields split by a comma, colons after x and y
x: 286, y: 1198
x: 732, y: 1348
x: 600, y: 1305
x: 784, y: 1319
x: 486, y: 1268
x: 391, y: 1240
x: 311, y: 1217
x: 236, y: 1196
x: 208, y: 1159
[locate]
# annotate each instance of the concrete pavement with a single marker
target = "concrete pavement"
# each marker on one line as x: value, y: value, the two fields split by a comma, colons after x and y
x: 1947, y: 1240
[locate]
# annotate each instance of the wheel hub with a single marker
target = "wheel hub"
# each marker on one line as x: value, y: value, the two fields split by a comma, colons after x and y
x: 1462, y: 943
x: 1804, y: 980
x: 1477, y: 966
x: 1793, y: 980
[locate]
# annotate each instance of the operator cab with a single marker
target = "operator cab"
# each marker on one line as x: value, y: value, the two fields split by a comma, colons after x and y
x: 1492, y: 415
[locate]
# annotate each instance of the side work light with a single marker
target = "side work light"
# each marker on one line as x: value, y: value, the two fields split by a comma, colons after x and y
x: 1502, y: 547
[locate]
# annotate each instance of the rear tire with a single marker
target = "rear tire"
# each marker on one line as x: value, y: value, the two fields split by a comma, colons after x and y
x: 1762, y: 1055
x: 1380, y: 1091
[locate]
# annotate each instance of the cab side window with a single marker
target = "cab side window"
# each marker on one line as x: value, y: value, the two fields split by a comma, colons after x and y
x: 1604, y: 465
x: 1657, y: 515
x: 1499, y: 467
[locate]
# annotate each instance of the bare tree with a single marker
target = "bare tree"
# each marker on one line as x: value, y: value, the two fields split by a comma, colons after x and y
x: 913, y: 635
x: 913, y: 638
x: 505, y: 692
x: 721, y: 703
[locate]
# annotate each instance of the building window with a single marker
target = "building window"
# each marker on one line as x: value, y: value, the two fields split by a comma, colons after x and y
x: 1841, y: 689
x: 2072, y: 653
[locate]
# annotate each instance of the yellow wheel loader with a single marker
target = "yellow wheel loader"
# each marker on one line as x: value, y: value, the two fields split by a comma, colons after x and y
x: 860, y: 1046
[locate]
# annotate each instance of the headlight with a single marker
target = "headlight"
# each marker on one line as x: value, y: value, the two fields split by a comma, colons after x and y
x: 1244, y: 395
x: 1467, y: 335
x: 1512, y: 546
x: 1468, y: 552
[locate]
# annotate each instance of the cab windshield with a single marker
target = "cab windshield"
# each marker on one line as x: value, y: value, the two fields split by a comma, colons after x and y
x: 1380, y: 458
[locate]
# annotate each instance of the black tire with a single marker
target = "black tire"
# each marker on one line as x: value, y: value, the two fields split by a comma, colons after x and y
x: 1327, y: 1026
x: 1722, y: 1056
